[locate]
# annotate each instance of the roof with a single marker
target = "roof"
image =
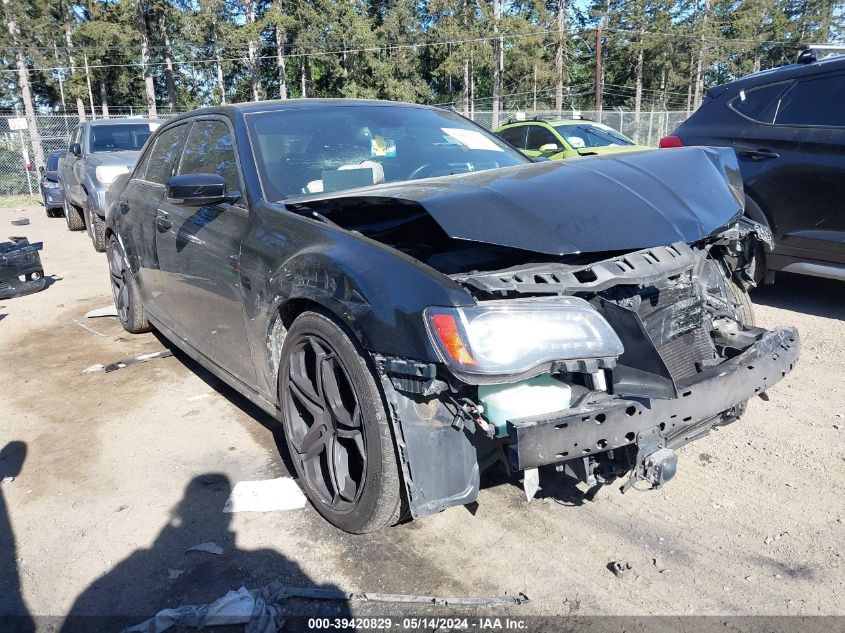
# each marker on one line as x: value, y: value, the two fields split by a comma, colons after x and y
x: 789, y: 71
x: 121, y: 121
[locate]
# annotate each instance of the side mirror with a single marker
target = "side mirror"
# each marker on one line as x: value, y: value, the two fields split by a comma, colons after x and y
x: 76, y: 149
x: 198, y: 190
x: 41, y: 169
x: 549, y: 148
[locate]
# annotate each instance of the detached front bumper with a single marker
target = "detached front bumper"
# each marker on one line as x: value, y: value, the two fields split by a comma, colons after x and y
x: 701, y: 404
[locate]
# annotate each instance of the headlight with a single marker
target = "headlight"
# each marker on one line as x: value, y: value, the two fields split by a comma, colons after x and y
x: 107, y: 173
x: 49, y: 184
x: 510, y: 337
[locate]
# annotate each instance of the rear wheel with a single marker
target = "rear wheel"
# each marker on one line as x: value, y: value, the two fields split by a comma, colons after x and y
x: 124, y: 288
x: 98, y: 232
x: 337, y: 427
x: 73, y: 216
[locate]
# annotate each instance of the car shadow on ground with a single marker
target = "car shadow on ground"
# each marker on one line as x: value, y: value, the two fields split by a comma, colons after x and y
x: 165, y: 575
x: 801, y: 293
x: 554, y: 485
x: 256, y: 413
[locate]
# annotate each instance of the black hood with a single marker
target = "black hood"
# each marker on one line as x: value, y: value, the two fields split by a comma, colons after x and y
x: 621, y: 202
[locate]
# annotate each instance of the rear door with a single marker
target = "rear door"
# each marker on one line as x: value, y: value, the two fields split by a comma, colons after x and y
x: 198, y: 251
x: 793, y: 163
x: 515, y: 135
x: 67, y: 170
x: 137, y: 208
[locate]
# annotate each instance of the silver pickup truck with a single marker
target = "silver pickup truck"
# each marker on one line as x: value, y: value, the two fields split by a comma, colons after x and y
x: 98, y: 152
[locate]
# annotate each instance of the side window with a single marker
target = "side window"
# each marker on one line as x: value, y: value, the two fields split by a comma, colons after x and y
x: 759, y: 104
x: 164, y: 154
x: 814, y: 102
x: 539, y: 136
x: 209, y: 150
x: 515, y: 135
x: 141, y: 166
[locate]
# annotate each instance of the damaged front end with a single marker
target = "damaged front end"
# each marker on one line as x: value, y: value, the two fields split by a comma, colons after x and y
x: 21, y: 272
x: 599, y: 370
x: 601, y: 329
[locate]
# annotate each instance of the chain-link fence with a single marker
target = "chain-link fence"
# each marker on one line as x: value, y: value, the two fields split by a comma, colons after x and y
x: 19, y: 175
x: 645, y: 130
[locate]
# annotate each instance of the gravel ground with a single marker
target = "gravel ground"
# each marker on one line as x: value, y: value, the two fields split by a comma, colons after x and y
x: 124, y: 471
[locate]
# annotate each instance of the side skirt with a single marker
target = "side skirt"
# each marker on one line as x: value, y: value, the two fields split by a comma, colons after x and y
x: 238, y: 385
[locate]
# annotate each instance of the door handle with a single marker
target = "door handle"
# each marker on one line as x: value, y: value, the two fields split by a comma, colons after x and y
x: 757, y: 154
x: 162, y: 221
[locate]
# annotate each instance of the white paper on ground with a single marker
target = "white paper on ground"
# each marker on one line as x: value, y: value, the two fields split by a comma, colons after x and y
x: 270, y: 495
x: 105, y: 311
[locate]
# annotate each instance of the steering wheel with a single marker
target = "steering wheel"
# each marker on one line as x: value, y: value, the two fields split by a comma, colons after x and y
x: 421, y: 171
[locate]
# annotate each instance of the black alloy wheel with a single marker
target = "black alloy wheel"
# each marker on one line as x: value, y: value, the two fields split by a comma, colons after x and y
x: 337, y: 427
x: 124, y: 289
x: 325, y: 424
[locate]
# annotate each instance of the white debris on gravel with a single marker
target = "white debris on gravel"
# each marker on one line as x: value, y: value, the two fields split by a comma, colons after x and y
x: 211, y: 548
x: 106, y: 311
x: 270, y: 495
x: 93, y: 368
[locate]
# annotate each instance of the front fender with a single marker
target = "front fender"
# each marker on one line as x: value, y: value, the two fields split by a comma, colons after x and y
x: 379, y: 293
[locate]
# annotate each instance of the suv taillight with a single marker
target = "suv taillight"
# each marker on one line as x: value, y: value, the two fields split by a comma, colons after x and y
x: 670, y: 141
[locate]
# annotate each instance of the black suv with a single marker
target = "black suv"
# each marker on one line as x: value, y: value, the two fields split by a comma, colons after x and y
x: 787, y: 126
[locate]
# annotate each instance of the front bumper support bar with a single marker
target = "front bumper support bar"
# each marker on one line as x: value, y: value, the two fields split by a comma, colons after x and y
x: 592, y: 429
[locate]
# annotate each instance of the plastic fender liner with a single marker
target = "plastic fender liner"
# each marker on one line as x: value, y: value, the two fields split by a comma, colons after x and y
x: 439, y: 459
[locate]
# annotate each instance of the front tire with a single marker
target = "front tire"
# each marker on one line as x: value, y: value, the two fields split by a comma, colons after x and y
x: 73, y: 216
x: 336, y: 426
x: 127, y: 298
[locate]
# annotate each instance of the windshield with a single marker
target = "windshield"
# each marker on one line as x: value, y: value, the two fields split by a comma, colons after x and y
x: 591, y: 135
x: 114, y: 138
x: 329, y: 148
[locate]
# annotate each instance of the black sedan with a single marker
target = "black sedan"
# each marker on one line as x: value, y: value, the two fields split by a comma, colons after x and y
x: 417, y: 302
x: 51, y: 191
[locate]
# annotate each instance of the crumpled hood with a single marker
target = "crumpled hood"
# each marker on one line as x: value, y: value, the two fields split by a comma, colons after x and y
x: 626, y: 201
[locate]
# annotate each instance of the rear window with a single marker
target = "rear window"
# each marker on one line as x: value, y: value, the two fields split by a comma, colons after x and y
x: 759, y: 104
x: 814, y: 102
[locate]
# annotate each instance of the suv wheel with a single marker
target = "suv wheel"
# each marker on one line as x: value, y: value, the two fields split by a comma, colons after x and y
x: 98, y: 232
x: 73, y: 216
x: 337, y: 427
x: 124, y: 289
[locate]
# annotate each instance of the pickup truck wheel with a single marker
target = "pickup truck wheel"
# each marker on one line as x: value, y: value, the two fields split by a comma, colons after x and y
x: 98, y: 232
x: 124, y: 288
x: 337, y: 427
x: 73, y: 216
x: 744, y: 307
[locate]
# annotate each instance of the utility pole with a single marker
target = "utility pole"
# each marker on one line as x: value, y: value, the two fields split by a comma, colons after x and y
x: 598, y: 73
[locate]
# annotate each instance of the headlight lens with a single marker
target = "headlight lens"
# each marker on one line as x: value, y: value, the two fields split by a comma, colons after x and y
x: 509, y: 337
x: 107, y: 173
x: 50, y: 184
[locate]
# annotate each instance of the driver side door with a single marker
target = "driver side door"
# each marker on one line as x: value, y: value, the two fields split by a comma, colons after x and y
x: 199, y: 250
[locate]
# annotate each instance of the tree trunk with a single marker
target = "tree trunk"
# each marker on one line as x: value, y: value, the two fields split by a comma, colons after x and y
x: 305, y: 76
x: 80, y: 105
x: 638, y: 92
x: 149, y: 85
x: 498, y: 53
x: 254, y: 62
x: 218, y: 61
x: 281, y: 39
x: 104, y: 100
x: 699, y: 70
x: 561, y: 24
x: 466, y: 86
x: 168, y: 62
x: 24, y: 85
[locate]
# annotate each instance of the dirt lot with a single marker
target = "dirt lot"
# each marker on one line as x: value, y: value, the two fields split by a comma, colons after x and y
x: 124, y: 471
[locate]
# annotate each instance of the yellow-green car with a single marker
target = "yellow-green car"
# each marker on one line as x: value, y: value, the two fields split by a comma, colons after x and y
x: 564, y: 138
